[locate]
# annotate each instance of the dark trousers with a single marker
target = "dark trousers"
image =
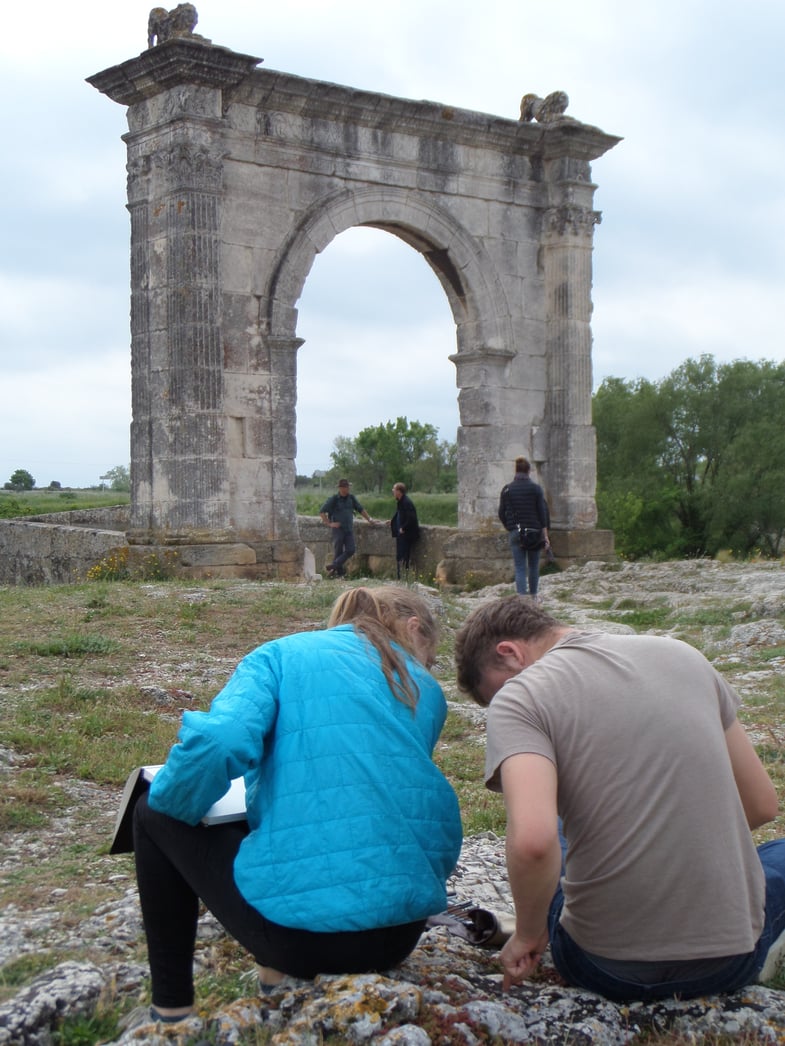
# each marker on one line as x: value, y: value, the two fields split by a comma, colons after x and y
x: 403, y: 551
x: 343, y: 549
x: 177, y: 865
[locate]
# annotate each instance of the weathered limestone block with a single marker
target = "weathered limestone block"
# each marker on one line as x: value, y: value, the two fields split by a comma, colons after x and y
x: 216, y: 555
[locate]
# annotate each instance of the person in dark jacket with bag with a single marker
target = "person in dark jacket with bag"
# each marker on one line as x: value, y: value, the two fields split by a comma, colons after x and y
x: 524, y: 513
x: 404, y: 526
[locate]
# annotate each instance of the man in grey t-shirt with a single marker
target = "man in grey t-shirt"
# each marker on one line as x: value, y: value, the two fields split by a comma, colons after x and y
x: 632, y: 745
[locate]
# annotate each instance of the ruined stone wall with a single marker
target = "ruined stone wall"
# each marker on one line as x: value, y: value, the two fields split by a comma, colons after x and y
x: 60, y: 548
x: 45, y: 553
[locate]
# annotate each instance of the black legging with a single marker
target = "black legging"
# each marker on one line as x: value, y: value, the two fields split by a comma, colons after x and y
x: 177, y: 865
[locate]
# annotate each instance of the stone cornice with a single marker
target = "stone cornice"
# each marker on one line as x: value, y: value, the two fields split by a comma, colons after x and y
x: 273, y: 91
x: 172, y: 64
x: 184, y: 60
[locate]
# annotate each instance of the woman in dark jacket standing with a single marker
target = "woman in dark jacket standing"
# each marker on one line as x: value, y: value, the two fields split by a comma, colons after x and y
x: 404, y: 526
x: 524, y: 513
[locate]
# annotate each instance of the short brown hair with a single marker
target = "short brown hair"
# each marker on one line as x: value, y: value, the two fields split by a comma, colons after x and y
x: 514, y: 617
x: 522, y: 464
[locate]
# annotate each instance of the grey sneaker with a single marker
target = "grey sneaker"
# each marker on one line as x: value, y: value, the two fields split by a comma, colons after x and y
x: 775, y: 957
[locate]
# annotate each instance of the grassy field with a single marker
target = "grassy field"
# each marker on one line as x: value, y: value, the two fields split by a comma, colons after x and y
x: 94, y: 677
x: 37, y: 502
x: 78, y: 665
x: 432, y: 509
x: 435, y: 510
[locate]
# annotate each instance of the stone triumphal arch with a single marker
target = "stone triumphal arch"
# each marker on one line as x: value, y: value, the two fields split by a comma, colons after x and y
x: 237, y: 177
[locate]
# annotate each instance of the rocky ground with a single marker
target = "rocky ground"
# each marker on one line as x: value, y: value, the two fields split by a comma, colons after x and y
x: 449, y: 990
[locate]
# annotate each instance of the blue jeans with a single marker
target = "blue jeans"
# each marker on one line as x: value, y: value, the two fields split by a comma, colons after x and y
x: 527, y: 566
x: 579, y: 969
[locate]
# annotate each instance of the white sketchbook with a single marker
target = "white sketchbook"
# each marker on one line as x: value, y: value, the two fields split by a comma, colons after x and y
x: 230, y: 807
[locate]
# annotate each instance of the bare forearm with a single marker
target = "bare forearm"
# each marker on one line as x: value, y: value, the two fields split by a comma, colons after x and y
x: 533, y: 878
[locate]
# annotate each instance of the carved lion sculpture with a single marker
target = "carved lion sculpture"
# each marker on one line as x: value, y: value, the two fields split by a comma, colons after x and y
x: 163, y: 25
x: 543, y: 110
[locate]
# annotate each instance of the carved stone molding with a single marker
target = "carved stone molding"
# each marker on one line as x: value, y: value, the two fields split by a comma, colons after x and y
x: 184, y: 165
x: 568, y: 219
x: 191, y: 166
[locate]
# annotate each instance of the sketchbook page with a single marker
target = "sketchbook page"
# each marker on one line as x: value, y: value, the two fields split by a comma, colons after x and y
x: 230, y: 807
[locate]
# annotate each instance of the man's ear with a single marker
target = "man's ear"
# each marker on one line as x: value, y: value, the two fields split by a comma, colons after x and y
x: 513, y: 652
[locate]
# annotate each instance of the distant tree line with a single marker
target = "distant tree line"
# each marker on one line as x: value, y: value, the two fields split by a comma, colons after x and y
x: 117, y: 478
x: 695, y: 463
x: 399, y: 451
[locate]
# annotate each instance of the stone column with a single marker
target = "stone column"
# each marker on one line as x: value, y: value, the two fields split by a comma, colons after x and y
x: 570, y: 471
x: 482, y: 375
x: 181, y: 436
x: 177, y: 433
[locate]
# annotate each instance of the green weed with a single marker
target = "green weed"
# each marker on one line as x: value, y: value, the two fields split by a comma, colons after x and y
x: 20, y: 971
x: 642, y: 619
x: 86, y: 1031
x: 75, y: 645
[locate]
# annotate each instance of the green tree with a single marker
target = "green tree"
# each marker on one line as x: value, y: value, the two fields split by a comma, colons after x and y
x: 634, y: 495
x: 397, y: 451
x: 746, y: 505
x: 21, y: 480
x: 692, y: 464
x: 437, y: 471
x: 344, y: 459
x: 118, y: 478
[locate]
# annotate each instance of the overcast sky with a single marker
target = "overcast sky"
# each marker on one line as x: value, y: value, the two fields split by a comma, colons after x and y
x: 689, y: 258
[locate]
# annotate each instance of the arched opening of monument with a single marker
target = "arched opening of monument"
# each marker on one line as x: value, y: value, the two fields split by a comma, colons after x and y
x: 378, y: 333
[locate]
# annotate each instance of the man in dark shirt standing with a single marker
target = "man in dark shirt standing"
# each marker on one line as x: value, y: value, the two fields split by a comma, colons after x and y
x: 338, y: 512
x: 524, y: 513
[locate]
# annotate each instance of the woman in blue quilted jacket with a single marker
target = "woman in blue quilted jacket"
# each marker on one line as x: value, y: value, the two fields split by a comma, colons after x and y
x: 352, y: 831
